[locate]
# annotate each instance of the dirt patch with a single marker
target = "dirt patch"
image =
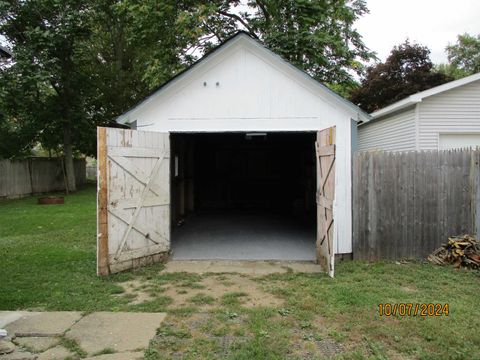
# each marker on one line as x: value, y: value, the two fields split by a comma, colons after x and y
x: 204, y: 332
x: 209, y: 292
x: 308, y: 347
x: 137, y: 291
x: 408, y: 289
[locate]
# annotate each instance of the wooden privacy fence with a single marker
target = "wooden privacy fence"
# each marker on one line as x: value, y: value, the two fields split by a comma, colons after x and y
x: 406, y: 204
x: 35, y: 175
x: 91, y: 172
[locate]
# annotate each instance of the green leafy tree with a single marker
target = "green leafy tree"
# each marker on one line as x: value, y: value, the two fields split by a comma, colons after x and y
x: 464, y: 55
x: 407, y: 70
x: 316, y: 36
x: 18, y: 130
x: 49, y: 38
x: 451, y: 71
x: 81, y: 63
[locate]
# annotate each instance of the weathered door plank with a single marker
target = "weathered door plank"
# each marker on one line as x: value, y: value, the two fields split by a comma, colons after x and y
x: 325, y: 155
x: 134, y: 199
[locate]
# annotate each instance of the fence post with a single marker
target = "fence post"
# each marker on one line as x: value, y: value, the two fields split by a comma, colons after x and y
x: 29, y: 165
x: 475, y: 191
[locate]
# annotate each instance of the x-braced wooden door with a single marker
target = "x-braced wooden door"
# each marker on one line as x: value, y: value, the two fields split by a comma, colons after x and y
x: 133, y: 210
x: 325, y: 149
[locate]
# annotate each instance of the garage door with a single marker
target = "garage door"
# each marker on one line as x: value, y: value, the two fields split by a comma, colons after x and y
x: 133, y: 210
x: 456, y: 141
x: 325, y: 148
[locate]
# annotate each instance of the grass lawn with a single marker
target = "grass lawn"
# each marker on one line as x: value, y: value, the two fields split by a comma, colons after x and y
x: 48, y: 263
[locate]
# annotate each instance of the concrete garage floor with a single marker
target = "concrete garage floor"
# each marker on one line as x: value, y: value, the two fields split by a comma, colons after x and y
x: 243, y: 237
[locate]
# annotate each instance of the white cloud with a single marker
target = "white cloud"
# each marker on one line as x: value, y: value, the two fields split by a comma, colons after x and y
x: 434, y: 23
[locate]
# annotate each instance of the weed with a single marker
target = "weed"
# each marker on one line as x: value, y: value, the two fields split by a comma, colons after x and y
x: 73, y: 346
x: 232, y: 298
x: 202, y: 299
x: 170, y: 330
x: 337, y: 336
x: 305, y: 325
x: 105, y: 351
x: 231, y: 315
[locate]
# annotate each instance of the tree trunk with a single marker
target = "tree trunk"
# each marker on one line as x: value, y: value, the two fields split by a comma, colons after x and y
x: 67, y: 150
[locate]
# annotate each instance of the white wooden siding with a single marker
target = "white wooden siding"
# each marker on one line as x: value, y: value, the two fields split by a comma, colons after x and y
x: 253, y: 93
x: 454, y: 111
x: 244, y: 87
x: 396, y: 133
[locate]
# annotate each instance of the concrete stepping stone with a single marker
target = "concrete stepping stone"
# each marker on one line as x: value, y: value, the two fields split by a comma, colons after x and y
x: 119, y: 356
x: 6, y: 347
x: 7, y: 317
x: 19, y: 355
x: 252, y: 268
x: 37, y: 324
x: 119, y: 331
x: 37, y: 344
x: 56, y: 353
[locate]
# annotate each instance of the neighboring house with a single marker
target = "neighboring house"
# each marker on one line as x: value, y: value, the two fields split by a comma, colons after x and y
x: 443, y: 117
x: 241, y: 125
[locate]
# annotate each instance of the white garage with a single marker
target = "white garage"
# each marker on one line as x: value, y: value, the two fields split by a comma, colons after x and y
x: 241, y: 156
x: 443, y: 117
x: 458, y: 140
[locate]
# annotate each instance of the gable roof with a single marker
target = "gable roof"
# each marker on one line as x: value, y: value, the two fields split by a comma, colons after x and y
x: 234, y: 39
x: 418, y: 97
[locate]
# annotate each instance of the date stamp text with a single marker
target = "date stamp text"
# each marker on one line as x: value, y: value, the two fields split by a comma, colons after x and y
x: 413, y: 309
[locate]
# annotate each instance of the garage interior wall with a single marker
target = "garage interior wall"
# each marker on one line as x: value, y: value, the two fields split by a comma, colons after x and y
x: 274, y: 171
x: 262, y: 175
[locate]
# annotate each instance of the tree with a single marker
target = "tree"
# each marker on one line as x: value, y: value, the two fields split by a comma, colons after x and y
x: 407, y: 70
x: 81, y: 63
x: 316, y: 36
x: 48, y: 38
x: 451, y: 71
x: 319, y: 36
x: 464, y: 55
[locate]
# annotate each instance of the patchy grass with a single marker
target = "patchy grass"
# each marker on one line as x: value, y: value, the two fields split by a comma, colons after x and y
x: 73, y: 346
x: 330, y: 318
x: 48, y: 263
x: 48, y: 257
x: 233, y: 298
x: 202, y: 299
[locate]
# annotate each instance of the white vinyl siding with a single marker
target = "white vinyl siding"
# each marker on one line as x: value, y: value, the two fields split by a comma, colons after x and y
x: 453, y: 111
x: 395, y: 133
x: 459, y: 141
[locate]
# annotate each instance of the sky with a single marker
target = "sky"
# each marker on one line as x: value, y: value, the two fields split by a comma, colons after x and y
x: 434, y: 23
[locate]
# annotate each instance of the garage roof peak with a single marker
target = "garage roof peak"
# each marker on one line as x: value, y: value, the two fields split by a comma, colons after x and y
x: 242, y: 38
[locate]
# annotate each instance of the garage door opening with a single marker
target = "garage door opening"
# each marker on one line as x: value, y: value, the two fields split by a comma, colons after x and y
x: 243, y: 196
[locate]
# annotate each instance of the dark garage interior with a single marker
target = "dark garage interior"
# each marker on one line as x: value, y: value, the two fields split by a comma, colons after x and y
x: 243, y: 196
